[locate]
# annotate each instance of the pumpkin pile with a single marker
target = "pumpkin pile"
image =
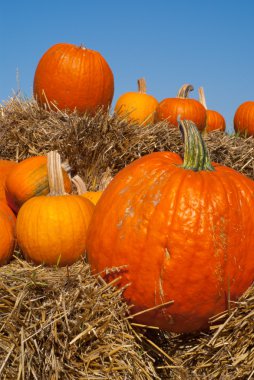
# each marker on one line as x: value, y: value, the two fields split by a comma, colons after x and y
x: 120, y: 202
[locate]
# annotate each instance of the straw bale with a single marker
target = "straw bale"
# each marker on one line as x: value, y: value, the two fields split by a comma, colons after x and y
x: 65, y: 323
x: 71, y: 321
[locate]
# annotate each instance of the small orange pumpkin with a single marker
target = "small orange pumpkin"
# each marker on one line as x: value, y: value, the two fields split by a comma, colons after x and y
x: 7, y: 233
x: 5, y: 167
x: 29, y: 178
x: 52, y: 229
x: 214, y: 120
x: 73, y: 78
x: 139, y: 106
x: 244, y: 118
x: 171, y: 109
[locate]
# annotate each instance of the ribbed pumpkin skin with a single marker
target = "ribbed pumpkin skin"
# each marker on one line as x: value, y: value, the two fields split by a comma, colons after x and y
x: 74, y: 78
x: 214, y: 121
x: 5, y: 167
x: 52, y: 230
x: 7, y: 233
x: 139, y: 107
x: 29, y: 178
x: 183, y: 235
x: 244, y: 118
x: 170, y: 108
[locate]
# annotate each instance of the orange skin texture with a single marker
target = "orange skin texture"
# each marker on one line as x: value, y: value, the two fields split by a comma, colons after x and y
x: 93, y: 196
x: 74, y: 78
x: 28, y: 179
x: 190, y: 109
x: 7, y: 233
x: 214, y: 121
x: 244, y: 118
x: 140, y: 107
x: 5, y: 167
x: 182, y: 235
x: 52, y: 230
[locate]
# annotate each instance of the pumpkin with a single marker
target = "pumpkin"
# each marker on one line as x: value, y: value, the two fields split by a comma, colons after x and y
x: 170, y: 109
x: 179, y: 233
x: 29, y: 178
x: 93, y: 196
x: 139, y: 106
x: 73, y: 78
x: 244, y: 119
x: 7, y: 233
x: 214, y: 120
x: 52, y: 229
x: 5, y: 167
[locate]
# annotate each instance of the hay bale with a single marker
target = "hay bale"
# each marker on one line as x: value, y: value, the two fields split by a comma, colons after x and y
x: 57, y: 324
x: 64, y: 323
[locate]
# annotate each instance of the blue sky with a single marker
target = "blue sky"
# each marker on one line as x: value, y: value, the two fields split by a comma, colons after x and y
x: 206, y: 43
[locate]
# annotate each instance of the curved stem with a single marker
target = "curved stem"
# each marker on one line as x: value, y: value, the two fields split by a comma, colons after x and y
x: 80, y: 184
x: 55, y: 174
x: 184, y: 91
x: 142, y: 85
x: 196, y: 157
x: 202, y: 97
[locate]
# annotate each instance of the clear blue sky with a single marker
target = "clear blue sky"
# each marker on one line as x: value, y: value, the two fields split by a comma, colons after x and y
x: 207, y: 43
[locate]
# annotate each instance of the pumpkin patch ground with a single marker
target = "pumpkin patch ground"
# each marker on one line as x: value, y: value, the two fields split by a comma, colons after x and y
x: 68, y: 323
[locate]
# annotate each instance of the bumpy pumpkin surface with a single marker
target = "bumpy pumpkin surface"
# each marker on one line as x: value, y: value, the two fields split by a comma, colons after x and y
x: 244, y: 118
x: 73, y: 77
x: 171, y: 108
x: 28, y: 179
x: 180, y: 231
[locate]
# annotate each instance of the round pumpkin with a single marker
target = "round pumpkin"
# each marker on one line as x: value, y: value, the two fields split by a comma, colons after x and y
x: 93, y: 196
x: 244, y: 119
x: 214, y: 120
x: 7, y: 233
x: 138, y: 106
x: 29, y: 178
x: 179, y: 233
x: 52, y: 229
x: 170, y: 109
x: 5, y: 168
x: 73, y: 78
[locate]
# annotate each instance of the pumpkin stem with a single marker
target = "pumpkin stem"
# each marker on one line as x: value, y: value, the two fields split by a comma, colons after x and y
x: 142, y: 85
x: 55, y: 174
x: 196, y: 157
x: 80, y: 184
x: 184, y: 91
x: 202, y: 97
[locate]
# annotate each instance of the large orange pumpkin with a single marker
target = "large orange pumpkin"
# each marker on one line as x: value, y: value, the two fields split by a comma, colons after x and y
x: 214, y: 120
x: 52, y: 229
x: 171, y: 109
x: 139, y: 106
x: 74, y: 78
x: 178, y: 230
x: 5, y: 168
x: 244, y: 118
x: 7, y: 233
x: 29, y: 178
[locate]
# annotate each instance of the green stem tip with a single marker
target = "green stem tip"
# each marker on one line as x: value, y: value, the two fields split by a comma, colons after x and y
x: 196, y: 157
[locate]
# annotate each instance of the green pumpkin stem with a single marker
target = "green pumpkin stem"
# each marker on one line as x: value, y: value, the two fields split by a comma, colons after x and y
x: 142, y: 85
x: 55, y: 174
x: 196, y: 157
x: 184, y: 91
